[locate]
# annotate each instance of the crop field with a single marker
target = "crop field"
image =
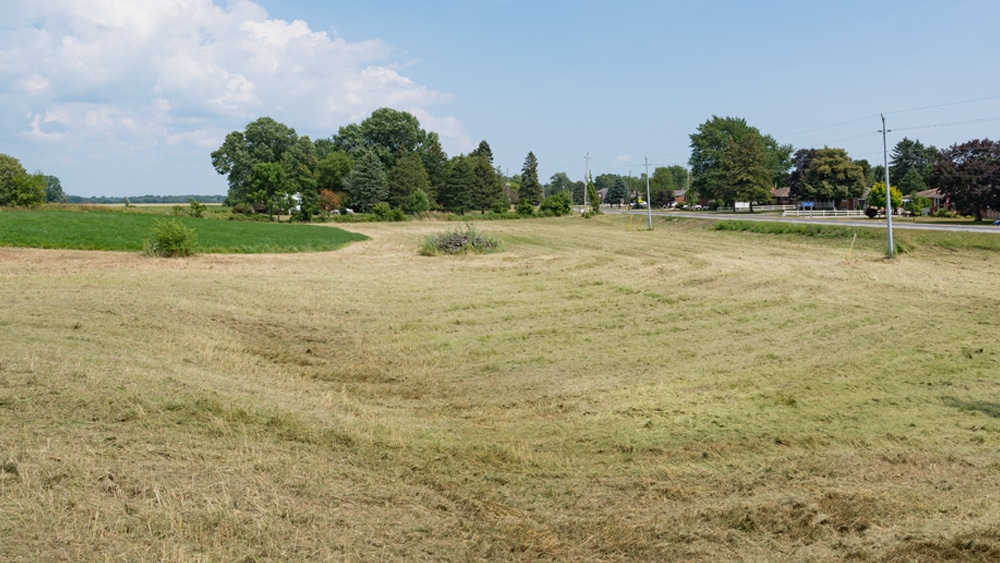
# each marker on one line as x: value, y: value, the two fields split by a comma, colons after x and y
x: 593, y: 393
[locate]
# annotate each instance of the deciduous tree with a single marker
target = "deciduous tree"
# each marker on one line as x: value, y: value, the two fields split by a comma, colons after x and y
x: 969, y: 174
x: 832, y: 175
x: 708, y: 146
x: 17, y: 187
x: 743, y: 171
x: 263, y: 141
x: 405, y: 178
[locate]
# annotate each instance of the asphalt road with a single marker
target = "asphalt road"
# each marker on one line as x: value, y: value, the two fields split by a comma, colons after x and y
x: 897, y: 222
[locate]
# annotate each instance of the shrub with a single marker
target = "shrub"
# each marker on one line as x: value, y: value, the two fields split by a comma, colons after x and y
x: 500, y: 207
x: 383, y: 212
x: 468, y: 241
x: 524, y: 207
x: 170, y: 238
x: 871, y: 212
x: 197, y: 208
x: 243, y: 209
x: 556, y: 205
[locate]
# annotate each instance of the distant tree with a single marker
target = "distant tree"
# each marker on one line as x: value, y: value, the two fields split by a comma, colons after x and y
x: 329, y: 200
x: 578, y: 187
x: 867, y: 171
x: 605, y: 181
x: 458, y: 191
x: 437, y: 165
x: 743, y: 171
x: 558, y: 182
x: 332, y: 169
x: 661, y: 187
x: 17, y: 187
x: 876, y: 196
x: 367, y: 182
x: 488, y: 187
x: 708, y: 146
x: 53, y: 190
x: 911, y: 158
x: 917, y: 204
x: 593, y: 199
x: 531, y: 188
x: 406, y: 177
x: 832, y: 175
x: 969, y: 174
x: 384, y: 133
x: 801, y: 161
x: 483, y: 150
x: 263, y: 141
x: 269, y: 187
x: 680, y: 177
x: 617, y: 193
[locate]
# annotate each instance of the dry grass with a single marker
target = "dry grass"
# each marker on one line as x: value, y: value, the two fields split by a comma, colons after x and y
x: 590, y: 394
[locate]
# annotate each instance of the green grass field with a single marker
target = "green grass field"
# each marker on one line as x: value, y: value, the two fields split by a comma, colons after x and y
x: 126, y: 231
x: 591, y: 394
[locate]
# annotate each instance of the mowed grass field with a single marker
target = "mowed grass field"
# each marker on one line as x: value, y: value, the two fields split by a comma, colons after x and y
x: 591, y: 394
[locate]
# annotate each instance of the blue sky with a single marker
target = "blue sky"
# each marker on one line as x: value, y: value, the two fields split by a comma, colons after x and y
x: 129, y: 98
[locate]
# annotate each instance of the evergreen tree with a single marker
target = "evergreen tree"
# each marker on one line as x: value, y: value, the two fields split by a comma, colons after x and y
x: 592, y: 198
x: 483, y: 150
x: 437, y: 166
x: 531, y: 188
x: 406, y: 177
x: 367, y: 182
x: 458, y: 190
x: 488, y: 188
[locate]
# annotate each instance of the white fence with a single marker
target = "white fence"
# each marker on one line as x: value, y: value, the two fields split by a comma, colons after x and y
x: 823, y: 213
x: 773, y: 207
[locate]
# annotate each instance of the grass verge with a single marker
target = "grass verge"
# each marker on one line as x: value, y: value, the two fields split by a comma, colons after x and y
x: 121, y: 231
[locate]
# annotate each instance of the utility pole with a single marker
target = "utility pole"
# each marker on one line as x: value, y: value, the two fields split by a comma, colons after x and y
x: 888, y: 189
x: 649, y: 202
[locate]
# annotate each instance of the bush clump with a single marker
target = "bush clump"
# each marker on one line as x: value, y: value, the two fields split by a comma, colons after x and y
x: 170, y: 238
x: 467, y: 241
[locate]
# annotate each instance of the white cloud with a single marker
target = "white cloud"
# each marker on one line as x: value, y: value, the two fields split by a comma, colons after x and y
x: 187, y: 71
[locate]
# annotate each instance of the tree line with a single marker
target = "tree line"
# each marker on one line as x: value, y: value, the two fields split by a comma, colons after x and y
x: 732, y: 161
x: 387, y: 161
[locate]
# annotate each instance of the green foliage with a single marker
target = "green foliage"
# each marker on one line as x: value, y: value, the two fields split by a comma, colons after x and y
x: 911, y: 165
x: 969, y: 173
x: 17, y: 187
x: 384, y: 212
x: 461, y: 241
x: 617, y: 194
x: 831, y: 175
x: 332, y: 169
x: 488, y: 185
x: 367, y: 182
x: 531, y: 188
x: 385, y: 133
x: 876, y: 196
x: 555, y: 205
x: 169, y: 238
x: 405, y: 178
x: 709, y: 144
x: 269, y: 187
x: 524, y: 208
x: 418, y: 203
x: 593, y: 198
x: 126, y: 231
x: 743, y: 172
x: 264, y: 141
x: 457, y: 193
x: 53, y: 190
x: 197, y: 208
x: 917, y: 204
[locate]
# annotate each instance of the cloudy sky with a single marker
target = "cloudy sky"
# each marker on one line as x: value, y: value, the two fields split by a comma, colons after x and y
x: 117, y: 97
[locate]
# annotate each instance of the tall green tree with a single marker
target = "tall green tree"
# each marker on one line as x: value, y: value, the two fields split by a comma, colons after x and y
x: 332, y: 170
x: 913, y: 161
x: 263, y: 141
x: 437, y: 165
x: 483, y: 150
x: 457, y: 193
x: 17, y: 187
x: 558, y: 182
x: 593, y: 199
x: 488, y: 188
x: 681, y: 176
x: 405, y: 179
x: 708, y: 147
x: 270, y: 188
x: 832, y: 175
x: 578, y: 187
x: 661, y: 187
x: 531, y: 188
x: 969, y: 174
x: 54, y: 191
x: 367, y: 182
x: 384, y: 133
x: 617, y: 194
x: 744, y: 174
